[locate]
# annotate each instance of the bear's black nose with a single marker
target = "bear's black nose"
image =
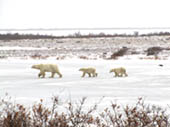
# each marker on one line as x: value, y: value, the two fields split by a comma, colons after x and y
x: 161, y: 65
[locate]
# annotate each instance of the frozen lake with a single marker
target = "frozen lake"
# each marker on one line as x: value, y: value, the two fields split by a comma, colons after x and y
x: 146, y: 79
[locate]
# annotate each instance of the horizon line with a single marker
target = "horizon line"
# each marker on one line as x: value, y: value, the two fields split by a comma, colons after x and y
x: 83, y: 28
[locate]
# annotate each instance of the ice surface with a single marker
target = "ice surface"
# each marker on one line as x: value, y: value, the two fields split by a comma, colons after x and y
x: 146, y: 79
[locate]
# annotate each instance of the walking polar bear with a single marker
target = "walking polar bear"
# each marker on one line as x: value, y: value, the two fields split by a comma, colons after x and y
x: 47, y: 68
x: 88, y: 71
x: 119, y: 72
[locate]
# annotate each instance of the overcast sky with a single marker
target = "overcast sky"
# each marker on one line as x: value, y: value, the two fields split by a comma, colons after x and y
x: 84, y: 13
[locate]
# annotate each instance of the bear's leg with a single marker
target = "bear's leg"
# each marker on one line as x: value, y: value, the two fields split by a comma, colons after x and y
x: 121, y: 75
x: 52, y: 75
x: 116, y: 74
x: 60, y: 75
x: 43, y: 74
x: 39, y: 75
x: 126, y: 74
x: 94, y: 74
x: 83, y: 74
x: 89, y: 74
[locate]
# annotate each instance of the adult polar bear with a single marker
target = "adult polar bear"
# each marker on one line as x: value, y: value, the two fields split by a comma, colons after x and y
x: 119, y: 72
x: 47, y: 68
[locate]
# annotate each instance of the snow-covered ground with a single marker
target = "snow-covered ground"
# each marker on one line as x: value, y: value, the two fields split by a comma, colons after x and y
x: 146, y: 79
x: 86, y: 48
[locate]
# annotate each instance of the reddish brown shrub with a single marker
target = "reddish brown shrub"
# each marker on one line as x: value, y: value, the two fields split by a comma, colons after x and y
x: 136, y: 115
x: 119, y: 53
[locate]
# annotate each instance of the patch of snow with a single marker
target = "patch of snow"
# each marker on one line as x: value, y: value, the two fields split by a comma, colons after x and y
x: 21, y: 48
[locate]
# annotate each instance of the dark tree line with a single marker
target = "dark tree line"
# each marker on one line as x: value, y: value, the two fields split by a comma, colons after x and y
x: 17, y: 36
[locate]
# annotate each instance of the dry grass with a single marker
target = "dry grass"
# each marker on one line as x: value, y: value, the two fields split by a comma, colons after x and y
x: 154, y: 51
x: 137, y: 115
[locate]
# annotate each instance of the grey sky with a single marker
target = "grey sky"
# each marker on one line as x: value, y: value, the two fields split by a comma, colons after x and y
x: 84, y: 13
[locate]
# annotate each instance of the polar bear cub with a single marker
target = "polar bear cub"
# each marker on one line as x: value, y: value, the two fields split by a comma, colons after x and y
x: 119, y: 72
x: 47, y: 68
x: 88, y: 71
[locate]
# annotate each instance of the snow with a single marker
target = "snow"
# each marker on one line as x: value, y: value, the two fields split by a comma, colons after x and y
x: 90, y: 48
x: 145, y: 79
x: 21, y: 48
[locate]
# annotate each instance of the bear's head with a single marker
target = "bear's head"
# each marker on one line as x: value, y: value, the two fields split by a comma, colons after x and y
x: 37, y: 66
x: 112, y: 70
x: 81, y: 69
